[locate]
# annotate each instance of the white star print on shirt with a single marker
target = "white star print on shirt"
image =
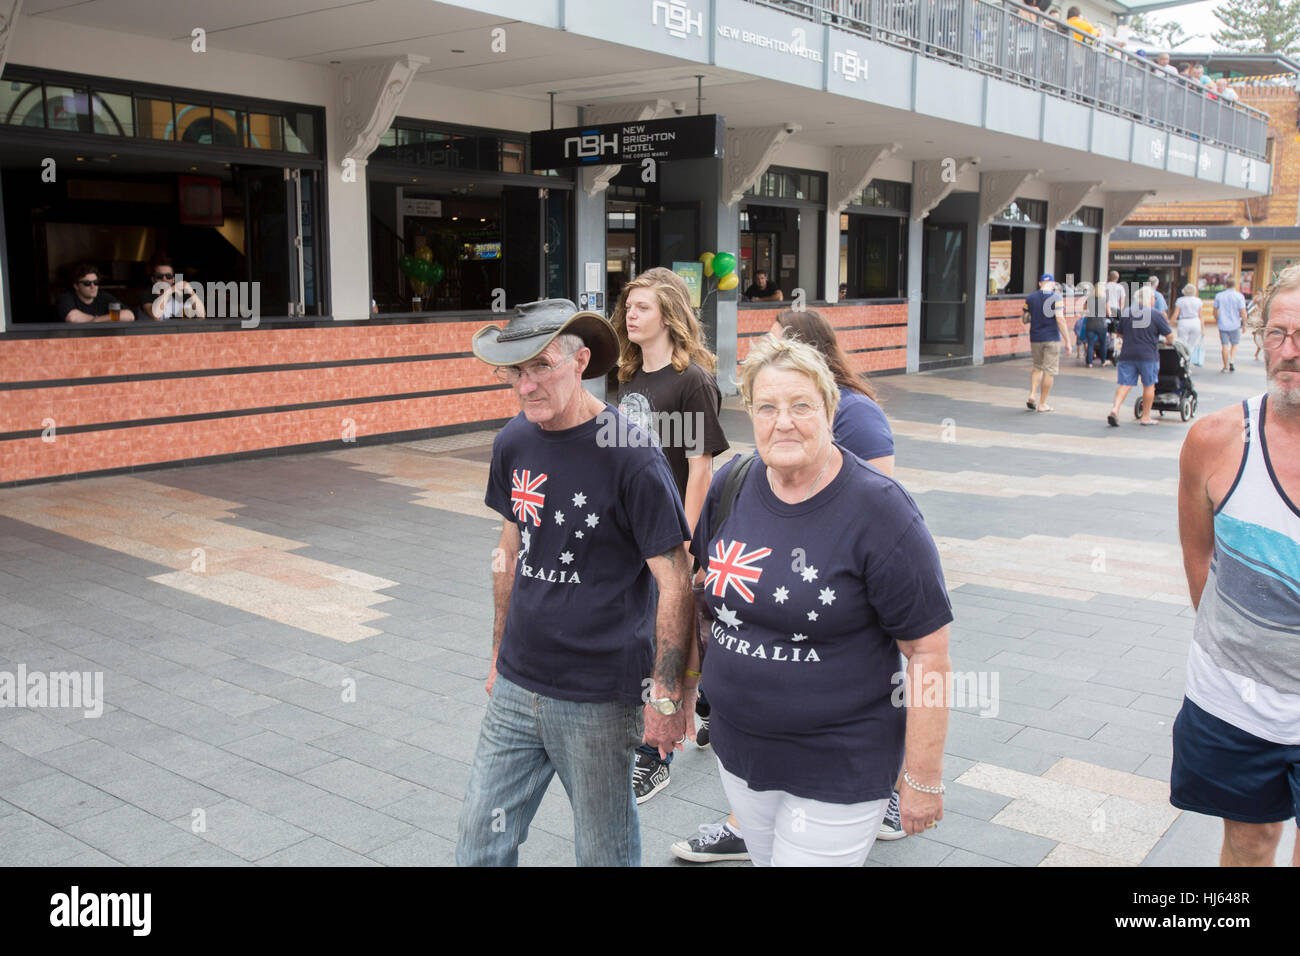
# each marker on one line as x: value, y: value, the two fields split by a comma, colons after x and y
x: 559, y: 517
x: 812, y: 615
x: 728, y: 617
x: 566, y: 557
x: 593, y: 520
x: 577, y: 534
x: 579, y: 500
x: 780, y: 594
x: 799, y: 637
x: 810, y: 573
x: 827, y: 596
x: 527, y: 538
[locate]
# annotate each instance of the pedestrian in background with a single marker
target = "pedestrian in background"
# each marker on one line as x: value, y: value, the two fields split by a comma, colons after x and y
x: 1188, y: 311
x: 1044, y: 313
x: 1229, y: 310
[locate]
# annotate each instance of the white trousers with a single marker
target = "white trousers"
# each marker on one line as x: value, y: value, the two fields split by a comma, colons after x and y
x: 781, y: 829
x: 1189, y: 332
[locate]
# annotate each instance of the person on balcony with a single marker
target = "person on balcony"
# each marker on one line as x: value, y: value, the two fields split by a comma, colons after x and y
x: 1075, y: 18
x: 86, y: 302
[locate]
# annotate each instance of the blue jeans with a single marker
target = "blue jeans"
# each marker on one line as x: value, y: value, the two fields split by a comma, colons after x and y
x: 524, y: 741
x: 1097, y: 339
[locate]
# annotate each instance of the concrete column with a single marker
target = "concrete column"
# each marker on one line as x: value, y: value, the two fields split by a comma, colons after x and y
x: 589, y: 246
x: 808, y: 239
x: 981, y: 291
x: 1049, y: 252
x: 831, y: 240
x: 348, y: 206
x: 721, y: 223
x: 5, y: 306
x: 915, y: 269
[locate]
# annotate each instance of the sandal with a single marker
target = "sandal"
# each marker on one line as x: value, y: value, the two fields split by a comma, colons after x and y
x: 1031, y: 405
x: 1046, y: 408
x: 1152, y: 422
x: 1112, y: 420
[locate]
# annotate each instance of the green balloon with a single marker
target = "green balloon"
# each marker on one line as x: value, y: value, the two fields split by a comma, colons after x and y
x: 724, y: 263
x: 436, y: 272
x: 407, y: 265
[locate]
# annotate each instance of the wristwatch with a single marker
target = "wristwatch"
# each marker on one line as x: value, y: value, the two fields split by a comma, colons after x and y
x: 665, y: 705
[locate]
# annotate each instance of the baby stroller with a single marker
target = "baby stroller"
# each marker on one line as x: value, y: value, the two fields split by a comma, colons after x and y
x: 1174, y: 389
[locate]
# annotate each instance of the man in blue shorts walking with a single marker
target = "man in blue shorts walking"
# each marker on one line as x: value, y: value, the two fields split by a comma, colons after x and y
x: 1237, y: 737
x: 1229, y: 309
x: 1142, y: 326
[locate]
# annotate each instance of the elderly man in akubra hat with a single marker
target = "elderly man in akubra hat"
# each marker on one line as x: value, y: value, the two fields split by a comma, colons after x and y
x: 591, y: 527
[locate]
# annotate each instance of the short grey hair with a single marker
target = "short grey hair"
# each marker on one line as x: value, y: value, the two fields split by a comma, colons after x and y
x: 569, y: 343
x: 1288, y: 280
x: 797, y: 356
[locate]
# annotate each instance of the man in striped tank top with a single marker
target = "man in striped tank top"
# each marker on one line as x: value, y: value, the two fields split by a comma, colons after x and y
x: 1237, y: 737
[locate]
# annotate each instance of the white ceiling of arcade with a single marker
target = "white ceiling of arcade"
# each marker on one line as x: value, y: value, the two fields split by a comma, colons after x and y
x: 582, y: 70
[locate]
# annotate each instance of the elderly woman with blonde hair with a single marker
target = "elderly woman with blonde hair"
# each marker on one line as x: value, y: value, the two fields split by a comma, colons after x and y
x: 820, y: 573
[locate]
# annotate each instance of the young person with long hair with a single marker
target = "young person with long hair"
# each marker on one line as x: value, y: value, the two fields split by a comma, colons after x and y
x: 667, y: 386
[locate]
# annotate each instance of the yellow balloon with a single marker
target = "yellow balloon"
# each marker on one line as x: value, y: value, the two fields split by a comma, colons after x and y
x: 424, y: 253
x: 728, y: 282
x: 707, y: 259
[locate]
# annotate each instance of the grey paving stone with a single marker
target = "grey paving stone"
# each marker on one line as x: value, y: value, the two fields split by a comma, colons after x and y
x: 1041, y: 666
x: 1165, y: 706
x: 1084, y: 628
x: 372, y: 749
x: 971, y: 802
x: 966, y: 858
x: 201, y: 854
x: 58, y: 798
x: 130, y: 835
x: 17, y: 767
x: 364, y: 785
x: 27, y: 841
x: 278, y: 752
x: 420, y: 848
x: 1157, y: 767
x: 32, y: 733
x: 291, y: 721
x: 1097, y: 712
x: 348, y: 824
x: 243, y: 830
x: 436, y: 772
x: 316, y: 852
x: 1173, y: 689
x: 1092, y: 751
x: 910, y: 851
x: 428, y: 810
x: 90, y: 857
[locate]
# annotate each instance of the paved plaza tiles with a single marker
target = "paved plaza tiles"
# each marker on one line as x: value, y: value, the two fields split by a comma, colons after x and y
x: 293, y: 648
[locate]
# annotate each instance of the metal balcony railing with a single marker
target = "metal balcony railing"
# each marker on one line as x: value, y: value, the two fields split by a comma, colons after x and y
x: 1037, y: 51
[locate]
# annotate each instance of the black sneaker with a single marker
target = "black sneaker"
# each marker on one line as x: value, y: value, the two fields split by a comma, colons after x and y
x: 649, y: 777
x: 716, y: 841
x: 891, y: 828
x: 702, y: 734
x: 1231, y: 367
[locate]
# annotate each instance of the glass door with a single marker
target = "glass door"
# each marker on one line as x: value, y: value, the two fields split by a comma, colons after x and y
x: 943, y: 285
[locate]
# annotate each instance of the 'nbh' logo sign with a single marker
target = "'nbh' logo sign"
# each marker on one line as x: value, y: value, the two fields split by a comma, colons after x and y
x: 590, y: 146
x: 678, y: 18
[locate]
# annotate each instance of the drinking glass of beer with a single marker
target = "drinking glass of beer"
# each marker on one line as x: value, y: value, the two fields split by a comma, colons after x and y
x: 115, y: 311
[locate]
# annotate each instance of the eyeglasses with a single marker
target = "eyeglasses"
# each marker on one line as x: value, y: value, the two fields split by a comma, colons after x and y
x: 87, y: 282
x: 164, y: 276
x: 799, y: 411
x: 511, y: 374
x: 1272, y: 339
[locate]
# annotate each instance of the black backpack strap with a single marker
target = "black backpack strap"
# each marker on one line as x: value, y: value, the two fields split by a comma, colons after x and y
x: 730, y: 491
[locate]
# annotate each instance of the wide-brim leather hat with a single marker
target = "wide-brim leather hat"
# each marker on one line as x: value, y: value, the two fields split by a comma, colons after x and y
x: 536, y: 324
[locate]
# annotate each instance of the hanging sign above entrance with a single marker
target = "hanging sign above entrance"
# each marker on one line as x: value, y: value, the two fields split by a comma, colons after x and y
x: 617, y: 144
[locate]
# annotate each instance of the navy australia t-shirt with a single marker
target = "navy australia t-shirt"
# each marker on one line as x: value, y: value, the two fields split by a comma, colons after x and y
x: 1042, y: 308
x: 861, y: 426
x: 1142, y: 328
x: 592, y: 503
x: 808, y: 602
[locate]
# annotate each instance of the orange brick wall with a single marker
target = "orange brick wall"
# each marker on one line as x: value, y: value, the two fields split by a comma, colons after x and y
x: 261, y: 395
x: 873, y: 336
x: 1005, y: 334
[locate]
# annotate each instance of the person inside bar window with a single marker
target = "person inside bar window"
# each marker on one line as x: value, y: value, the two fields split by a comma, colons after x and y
x: 762, y: 289
x: 168, y: 298
x: 87, y: 302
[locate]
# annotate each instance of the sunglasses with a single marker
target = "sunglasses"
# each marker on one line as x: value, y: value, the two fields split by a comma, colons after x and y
x: 87, y: 282
x: 166, y: 276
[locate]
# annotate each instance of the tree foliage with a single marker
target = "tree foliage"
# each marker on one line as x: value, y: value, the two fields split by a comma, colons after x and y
x: 1259, y: 26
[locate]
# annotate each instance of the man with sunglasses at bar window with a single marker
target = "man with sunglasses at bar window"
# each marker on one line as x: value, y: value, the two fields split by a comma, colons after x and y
x: 170, y: 296
x: 86, y: 303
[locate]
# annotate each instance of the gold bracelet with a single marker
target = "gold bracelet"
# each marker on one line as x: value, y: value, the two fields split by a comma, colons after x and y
x: 691, y: 673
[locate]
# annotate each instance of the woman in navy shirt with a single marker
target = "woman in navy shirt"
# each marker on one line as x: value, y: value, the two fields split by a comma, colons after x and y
x: 821, y: 574
x: 860, y: 424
